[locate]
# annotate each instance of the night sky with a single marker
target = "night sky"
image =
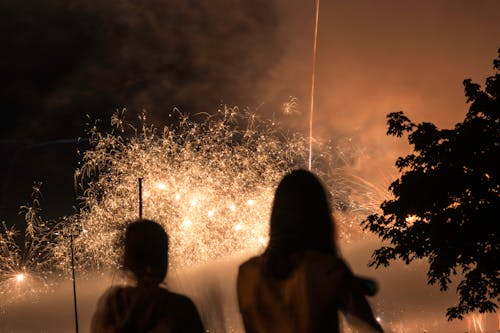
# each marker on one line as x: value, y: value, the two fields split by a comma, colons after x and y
x: 65, y: 62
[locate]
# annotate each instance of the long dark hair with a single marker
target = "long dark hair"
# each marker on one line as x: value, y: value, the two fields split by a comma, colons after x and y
x: 301, y: 219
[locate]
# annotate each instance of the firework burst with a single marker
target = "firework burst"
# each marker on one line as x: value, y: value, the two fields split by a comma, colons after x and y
x: 26, y: 260
x: 209, y: 183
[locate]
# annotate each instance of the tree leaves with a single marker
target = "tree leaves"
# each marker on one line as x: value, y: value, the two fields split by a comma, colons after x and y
x: 446, y: 201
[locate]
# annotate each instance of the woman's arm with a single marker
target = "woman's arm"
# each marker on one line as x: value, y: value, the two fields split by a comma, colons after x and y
x: 355, y: 306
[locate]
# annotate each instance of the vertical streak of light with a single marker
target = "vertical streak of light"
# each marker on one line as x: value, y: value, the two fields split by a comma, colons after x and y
x: 313, y: 79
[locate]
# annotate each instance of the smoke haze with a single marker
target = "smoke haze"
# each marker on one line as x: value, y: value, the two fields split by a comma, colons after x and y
x: 404, y: 303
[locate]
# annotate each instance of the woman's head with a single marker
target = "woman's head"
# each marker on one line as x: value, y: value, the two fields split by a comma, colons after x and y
x: 301, y: 217
x: 146, y: 251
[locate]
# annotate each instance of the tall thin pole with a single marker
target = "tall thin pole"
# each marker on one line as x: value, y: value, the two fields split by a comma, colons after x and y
x: 140, y: 198
x: 313, y: 81
x: 74, y: 280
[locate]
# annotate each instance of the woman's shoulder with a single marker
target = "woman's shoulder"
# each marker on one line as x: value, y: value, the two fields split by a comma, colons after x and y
x: 125, y: 296
x: 321, y: 268
x: 249, y: 277
x: 183, y: 309
x: 109, y: 307
x: 177, y: 299
x: 114, y: 293
x: 252, y: 263
x: 251, y: 271
x: 113, y: 290
x: 119, y: 304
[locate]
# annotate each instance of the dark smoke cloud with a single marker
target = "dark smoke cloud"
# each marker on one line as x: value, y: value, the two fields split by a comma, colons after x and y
x: 63, y: 59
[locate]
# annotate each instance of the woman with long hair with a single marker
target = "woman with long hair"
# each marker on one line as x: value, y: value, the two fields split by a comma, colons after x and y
x: 300, y: 282
x: 146, y: 306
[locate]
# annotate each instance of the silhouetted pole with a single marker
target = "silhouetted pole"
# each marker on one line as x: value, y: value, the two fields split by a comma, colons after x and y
x: 74, y: 280
x: 140, y: 198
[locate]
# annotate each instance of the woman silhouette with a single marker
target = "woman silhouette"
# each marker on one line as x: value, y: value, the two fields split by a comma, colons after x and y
x: 299, y: 283
x: 145, y: 307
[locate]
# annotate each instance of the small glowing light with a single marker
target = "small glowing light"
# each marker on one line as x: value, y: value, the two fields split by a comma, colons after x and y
x: 211, y: 213
x: 410, y: 219
x: 250, y: 202
x: 85, y: 231
x: 238, y: 227
x: 20, y: 277
x: 187, y: 223
x: 161, y: 186
x: 262, y: 240
x: 378, y: 319
x: 232, y: 207
x: 177, y: 196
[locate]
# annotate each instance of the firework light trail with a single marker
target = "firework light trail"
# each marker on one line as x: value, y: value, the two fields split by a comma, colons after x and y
x: 313, y: 82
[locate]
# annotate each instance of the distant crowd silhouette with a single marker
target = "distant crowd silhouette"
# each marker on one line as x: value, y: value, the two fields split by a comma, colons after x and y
x: 298, y: 285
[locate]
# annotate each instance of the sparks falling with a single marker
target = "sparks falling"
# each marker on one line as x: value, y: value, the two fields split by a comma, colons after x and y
x: 209, y: 182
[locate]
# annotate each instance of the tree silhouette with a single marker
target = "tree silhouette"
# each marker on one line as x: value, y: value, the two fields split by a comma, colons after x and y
x: 446, y: 204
